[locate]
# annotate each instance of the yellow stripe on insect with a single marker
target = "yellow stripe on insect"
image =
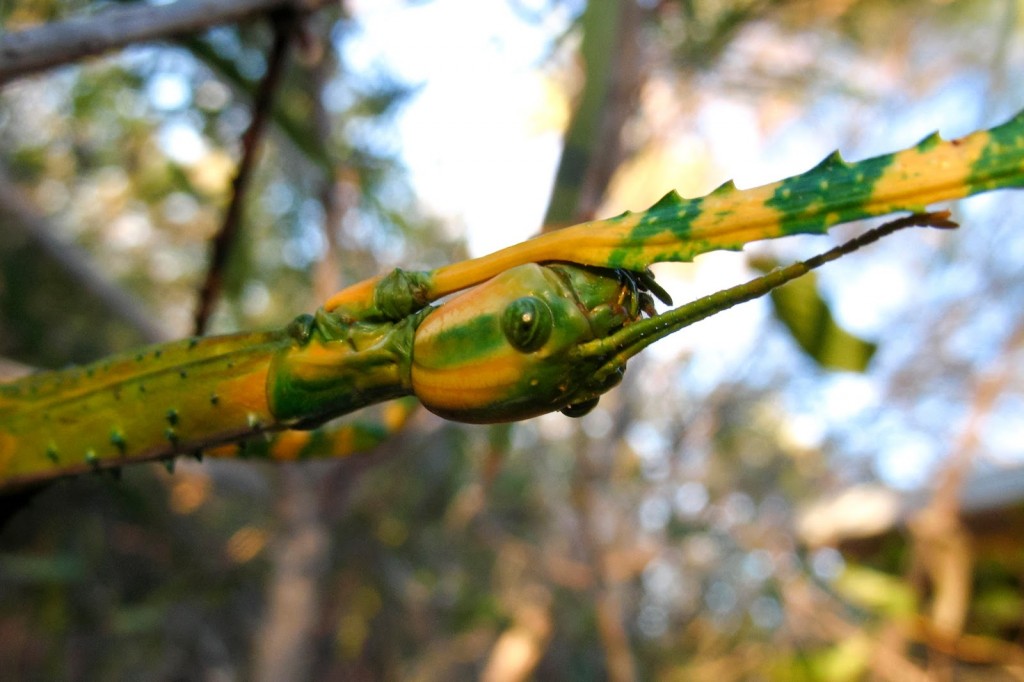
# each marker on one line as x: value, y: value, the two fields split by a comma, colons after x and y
x: 934, y: 170
x: 453, y: 388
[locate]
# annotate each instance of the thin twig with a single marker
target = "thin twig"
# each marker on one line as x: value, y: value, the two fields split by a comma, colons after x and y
x: 223, y: 242
x: 63, y: 42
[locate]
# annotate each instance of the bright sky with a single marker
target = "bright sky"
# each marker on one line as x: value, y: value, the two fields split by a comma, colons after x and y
x: 479, y: 139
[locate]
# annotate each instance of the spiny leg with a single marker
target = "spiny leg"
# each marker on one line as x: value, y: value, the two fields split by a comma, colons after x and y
x: 621, y: 346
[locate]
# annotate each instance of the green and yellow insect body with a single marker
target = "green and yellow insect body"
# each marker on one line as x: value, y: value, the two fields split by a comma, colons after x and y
x: 336, y: 367
x: 545, y: 325
x: 193, y: 395
x: 166, y: 399
x: 505, y: 350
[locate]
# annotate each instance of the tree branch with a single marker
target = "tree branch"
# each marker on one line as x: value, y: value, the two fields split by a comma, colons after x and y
x: 224, y: 242
x: 62, y: 42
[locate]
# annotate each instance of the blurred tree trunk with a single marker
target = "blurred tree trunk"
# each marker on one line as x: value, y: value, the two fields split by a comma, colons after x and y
x: 593, y: 149
x: 285, y: 645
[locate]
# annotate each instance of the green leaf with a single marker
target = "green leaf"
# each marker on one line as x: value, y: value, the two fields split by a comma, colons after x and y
x: 876, y: 591
x: 800, y: 307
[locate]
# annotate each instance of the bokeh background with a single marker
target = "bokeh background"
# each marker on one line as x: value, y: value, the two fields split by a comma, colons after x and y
x: 752, y: 503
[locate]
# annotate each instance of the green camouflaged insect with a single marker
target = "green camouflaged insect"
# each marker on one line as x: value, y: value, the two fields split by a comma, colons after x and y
x: 541, y: 326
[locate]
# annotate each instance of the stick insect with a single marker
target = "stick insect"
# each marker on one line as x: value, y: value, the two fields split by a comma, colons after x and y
x: 546, y: 325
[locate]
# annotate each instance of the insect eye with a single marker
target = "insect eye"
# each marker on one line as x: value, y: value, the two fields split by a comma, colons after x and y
x: 527, y: 323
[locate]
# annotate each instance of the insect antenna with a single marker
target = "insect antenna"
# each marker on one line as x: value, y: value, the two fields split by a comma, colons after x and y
x: 630, y: 340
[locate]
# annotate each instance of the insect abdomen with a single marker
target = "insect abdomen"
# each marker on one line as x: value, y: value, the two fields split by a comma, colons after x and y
x: 172, y: 398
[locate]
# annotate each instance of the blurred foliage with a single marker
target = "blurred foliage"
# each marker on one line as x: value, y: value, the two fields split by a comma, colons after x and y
x: 657, y: 537
x: 35, y: 272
